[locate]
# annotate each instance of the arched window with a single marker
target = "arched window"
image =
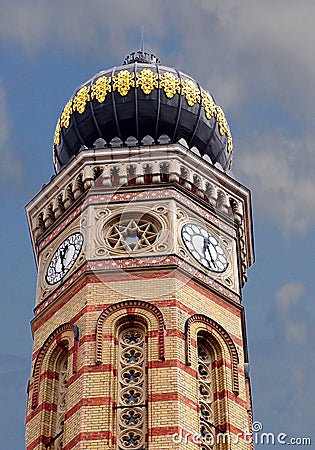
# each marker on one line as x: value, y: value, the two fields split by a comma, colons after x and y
x: 57, y: 386
x: 132, y: 389
x: 61, y: 402
x: 206, y: 397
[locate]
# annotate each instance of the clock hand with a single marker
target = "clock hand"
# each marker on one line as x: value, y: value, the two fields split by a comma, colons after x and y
x: 62, y: 264
x: 206, y: 244
x: 63, y: 253
x: 204, y: 249
x: 66, y: 254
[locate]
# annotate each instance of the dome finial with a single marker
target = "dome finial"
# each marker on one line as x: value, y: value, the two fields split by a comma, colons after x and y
x: 142, y: 39
x: 141, y: 56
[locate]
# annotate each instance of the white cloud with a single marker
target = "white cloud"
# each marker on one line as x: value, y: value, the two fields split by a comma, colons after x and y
x: 77, y: 25
x: 10, y: 165
x: 280, y: 172
x: 296, y: 332
x: 288, y: 296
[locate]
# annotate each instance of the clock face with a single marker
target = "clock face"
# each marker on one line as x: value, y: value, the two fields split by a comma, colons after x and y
x: 204, y: 247
x: 64, y: 258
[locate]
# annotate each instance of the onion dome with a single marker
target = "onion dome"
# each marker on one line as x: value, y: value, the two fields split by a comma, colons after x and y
x: 142, y: 102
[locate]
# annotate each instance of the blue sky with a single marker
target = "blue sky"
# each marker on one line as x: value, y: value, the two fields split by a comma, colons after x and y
x: 257, y: 60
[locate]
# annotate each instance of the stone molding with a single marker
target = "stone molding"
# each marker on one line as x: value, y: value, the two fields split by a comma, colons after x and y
x: 130, y: 307
x: 56, y: 334
x: 116, y: 175
x: 121, y: 168
x: 212, y: 324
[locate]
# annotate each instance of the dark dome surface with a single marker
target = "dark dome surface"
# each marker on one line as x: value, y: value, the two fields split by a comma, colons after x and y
x: 138, y: 99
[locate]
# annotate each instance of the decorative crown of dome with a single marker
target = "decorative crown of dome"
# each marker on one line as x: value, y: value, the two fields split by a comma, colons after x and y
x: 142, y: 102
x: 142, y: 57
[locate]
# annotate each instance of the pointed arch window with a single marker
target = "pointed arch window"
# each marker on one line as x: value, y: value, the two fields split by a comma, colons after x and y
x: 206, y: 395
x: 132, y: 389
x: 61, y: 402
x: 58, y: 365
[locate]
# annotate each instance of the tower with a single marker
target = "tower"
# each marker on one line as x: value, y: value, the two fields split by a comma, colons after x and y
x: 142, y: 241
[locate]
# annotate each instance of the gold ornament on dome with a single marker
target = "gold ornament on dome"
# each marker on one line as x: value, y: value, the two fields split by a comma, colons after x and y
x: 123, y: 82
x: 81, y: 99
x: 147, y: 80
x: 229, y: 144
x: 191, y: 92
x: 224, y: 126
x: 170, y: 84
x: 57, y: 133
x: 208, y: 104
x: 100, y: 88
x: 222, y: 122
x: 66, y: 115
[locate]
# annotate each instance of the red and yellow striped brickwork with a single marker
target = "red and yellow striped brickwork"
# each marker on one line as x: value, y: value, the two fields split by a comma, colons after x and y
x: 171, y: 304
x: 172, y: 380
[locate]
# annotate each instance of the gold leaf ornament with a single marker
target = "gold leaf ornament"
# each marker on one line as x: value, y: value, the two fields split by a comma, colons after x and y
x: 147, y: 80
x: 208, y: 104
x: 229, y: 143
x: 100, y: 88
x: 81, y: 99
x: 191, y: 92
x: 123, y: 82
x: 57, y: 133
x: 169, y: 84
x: 66, y: 115
x: 224, y: 127
x: 222, y: 122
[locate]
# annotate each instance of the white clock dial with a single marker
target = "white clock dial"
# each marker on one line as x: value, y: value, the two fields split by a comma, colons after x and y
x: 64, y: 258
x: 204, y: 247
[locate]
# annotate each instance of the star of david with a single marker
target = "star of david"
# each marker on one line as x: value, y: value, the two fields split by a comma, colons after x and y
x: 130, y: 235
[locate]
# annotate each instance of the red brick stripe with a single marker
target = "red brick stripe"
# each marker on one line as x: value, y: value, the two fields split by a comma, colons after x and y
x: 164, y: 431
x: 155, y: 431
x: 81, y: 437
x: 225, y: 393
x: 91, y: 369
x: 35, y: 443
x: 43, y: 406
x: 92, y: 401
x: 188, y: 435
x: 151, y: 334
x: 88, y: 436
x: 154, y: 398
x: 226, y: 303
x: 172, y: 363
x: 48, y: 374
